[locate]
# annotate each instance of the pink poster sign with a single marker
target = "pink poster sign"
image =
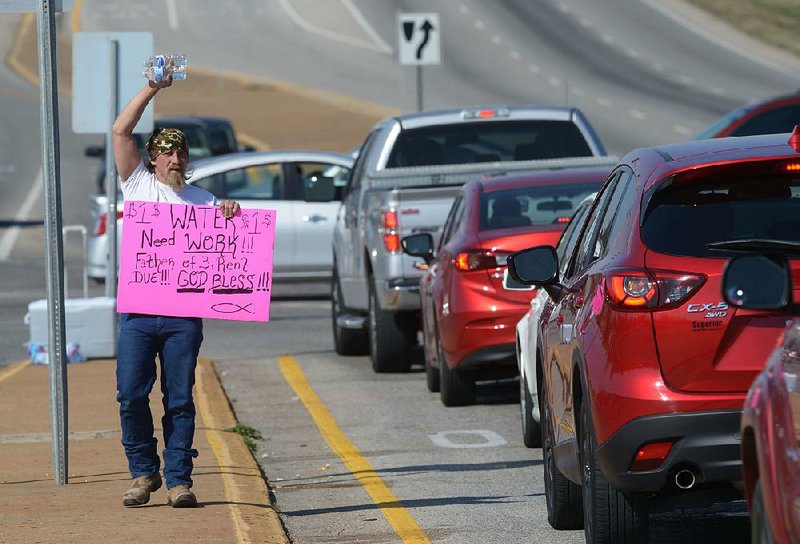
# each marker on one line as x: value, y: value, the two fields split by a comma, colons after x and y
x: 189, y: 261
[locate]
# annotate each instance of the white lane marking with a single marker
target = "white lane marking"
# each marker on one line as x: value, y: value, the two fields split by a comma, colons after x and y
x: 463, y: 8
x: 563, y: 8
x: 686, y: 80
x: 577, y: 91
x: 608, y: 38
x: 604, y: 102
x: 534, y: 69
x: 497, y: 40
x: 658, y: 67
x: 488, y: 439
x: 684, y: 131
x: 636, y: 114
x: 761, y: 59
x: 172, y: 15
x: 479, y: 24
x: 554, y: 81
x: 515, y: 55
x: 585, y: 23
x: 718, y: 91
x: 11, y: 235
x: 633, y: 53
x: 362, y: 21
x: 311, y: 29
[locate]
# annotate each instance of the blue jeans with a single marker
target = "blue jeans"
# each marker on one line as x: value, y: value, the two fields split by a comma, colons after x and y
x: 176, y: 341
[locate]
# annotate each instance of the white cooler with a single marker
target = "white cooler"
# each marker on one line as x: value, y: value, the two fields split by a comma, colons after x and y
x: 90, y: 323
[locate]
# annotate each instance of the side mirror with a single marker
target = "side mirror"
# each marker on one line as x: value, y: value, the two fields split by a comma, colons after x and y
x: 319, y: 189
x: 534, y: 266
x: 418, y: 245
x: 96, y: 151
x: 757, y: 282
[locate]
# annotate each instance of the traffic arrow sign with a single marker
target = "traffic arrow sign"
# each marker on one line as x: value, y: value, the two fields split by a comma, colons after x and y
x: 419, y: 38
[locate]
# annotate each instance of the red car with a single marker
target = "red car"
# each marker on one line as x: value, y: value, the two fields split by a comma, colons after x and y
x: 644, y: 367
x: 771, y: 418
x: 775, y: 115
x: 469, y: 312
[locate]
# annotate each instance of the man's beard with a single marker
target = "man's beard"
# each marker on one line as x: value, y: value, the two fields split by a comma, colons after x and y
x: 175, y: 180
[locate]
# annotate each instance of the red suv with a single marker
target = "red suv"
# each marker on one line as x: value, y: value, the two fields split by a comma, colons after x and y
x: 644, y: 368
x: 469, y: 310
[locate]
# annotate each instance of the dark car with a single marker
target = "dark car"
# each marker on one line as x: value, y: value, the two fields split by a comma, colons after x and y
x: 469, y: 310
x: 644, y: 366
x: 206, y: 137
x: 772, y: 116
x: 762, y: 283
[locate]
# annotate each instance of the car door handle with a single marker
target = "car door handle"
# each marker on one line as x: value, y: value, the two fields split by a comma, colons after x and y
x: 314, y: 218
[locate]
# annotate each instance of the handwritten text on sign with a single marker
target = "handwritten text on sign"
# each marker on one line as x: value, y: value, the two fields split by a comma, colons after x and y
x: 189, y: 261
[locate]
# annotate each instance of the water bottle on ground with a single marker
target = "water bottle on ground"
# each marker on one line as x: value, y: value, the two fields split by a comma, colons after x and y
x: 158, y: 67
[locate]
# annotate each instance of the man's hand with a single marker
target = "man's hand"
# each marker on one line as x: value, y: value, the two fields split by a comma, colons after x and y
x: 229, y: 208
x: 165, y: 82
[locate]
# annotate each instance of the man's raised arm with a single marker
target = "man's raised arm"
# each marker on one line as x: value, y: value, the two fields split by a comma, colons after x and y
x: 126, y: 153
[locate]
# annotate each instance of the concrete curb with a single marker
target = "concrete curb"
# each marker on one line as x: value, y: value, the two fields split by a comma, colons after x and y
x: 254, y: 516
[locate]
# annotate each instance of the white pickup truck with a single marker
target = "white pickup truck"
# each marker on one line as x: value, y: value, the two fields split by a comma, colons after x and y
x: 404, y: 182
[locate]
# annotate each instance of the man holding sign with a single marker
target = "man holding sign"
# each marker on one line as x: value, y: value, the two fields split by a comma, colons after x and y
x: 176, y: 340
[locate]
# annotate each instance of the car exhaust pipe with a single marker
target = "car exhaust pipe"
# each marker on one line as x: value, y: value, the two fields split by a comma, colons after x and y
x: 685, y: 479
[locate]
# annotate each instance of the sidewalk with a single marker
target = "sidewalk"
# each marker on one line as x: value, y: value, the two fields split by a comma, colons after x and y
x: 234, y: 505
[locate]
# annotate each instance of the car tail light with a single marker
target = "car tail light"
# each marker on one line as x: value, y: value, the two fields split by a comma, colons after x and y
x: 391, y: 238
x: 479, y: 259
x: 650, y: 456
x: 102, y: 223
x: 794, y: 139
x: 659, y: 290
x: 792, y: 166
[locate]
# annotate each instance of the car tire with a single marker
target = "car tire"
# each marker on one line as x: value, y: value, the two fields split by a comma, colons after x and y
x: 431, y: 372
x: 389, y: 343
x: 609, y: 516
x: 345, y: 341
x: 562, y: 496
x: 457, y: 388
x: 759, y: 525
x: 531, y: 429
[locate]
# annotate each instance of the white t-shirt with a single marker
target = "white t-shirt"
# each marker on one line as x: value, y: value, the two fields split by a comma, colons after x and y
x: 143, y: 185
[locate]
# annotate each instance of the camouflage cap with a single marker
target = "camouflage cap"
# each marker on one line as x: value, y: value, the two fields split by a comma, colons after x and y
x: 166, y: 140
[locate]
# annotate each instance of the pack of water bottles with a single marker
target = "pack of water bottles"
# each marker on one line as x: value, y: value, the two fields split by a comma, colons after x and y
x: 159, y: 67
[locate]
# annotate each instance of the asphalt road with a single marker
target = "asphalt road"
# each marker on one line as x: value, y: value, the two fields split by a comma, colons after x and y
x: 463, y: 474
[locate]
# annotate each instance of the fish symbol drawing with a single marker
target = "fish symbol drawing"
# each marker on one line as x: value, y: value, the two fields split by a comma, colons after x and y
x: 231, y: 308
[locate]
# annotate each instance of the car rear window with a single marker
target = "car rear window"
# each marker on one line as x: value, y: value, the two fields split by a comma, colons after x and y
x: 488, y: 141
x: 681, y: 219
x: 527, y: 206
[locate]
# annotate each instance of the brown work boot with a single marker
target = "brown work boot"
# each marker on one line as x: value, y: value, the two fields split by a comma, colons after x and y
x: 181, y: 496
x: 139, y: 491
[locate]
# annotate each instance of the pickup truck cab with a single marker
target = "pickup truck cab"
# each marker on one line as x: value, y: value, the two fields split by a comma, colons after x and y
x: 404, y: 182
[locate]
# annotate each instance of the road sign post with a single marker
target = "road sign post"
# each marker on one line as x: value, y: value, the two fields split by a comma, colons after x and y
x: 419, y: 43
x: 54, y: 256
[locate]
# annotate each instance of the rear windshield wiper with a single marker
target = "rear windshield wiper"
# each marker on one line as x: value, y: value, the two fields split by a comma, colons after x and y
x: 756, y: 244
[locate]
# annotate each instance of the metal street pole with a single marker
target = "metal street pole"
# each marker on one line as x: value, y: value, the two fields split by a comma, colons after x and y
x: 111, y: 175
x: 56, y: 343
x: 419, y: 87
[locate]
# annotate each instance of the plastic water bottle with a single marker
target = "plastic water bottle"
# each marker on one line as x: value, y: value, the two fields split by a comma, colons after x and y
x: 179, y: 63
x: 157, y: 67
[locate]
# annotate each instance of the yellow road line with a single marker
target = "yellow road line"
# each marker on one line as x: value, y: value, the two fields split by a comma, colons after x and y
x: 252, y: 140
x: 400, y: 519
x: 221, y: 453
x: 28, y: 22
x: 75, y: 20
x: 10, y: 370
